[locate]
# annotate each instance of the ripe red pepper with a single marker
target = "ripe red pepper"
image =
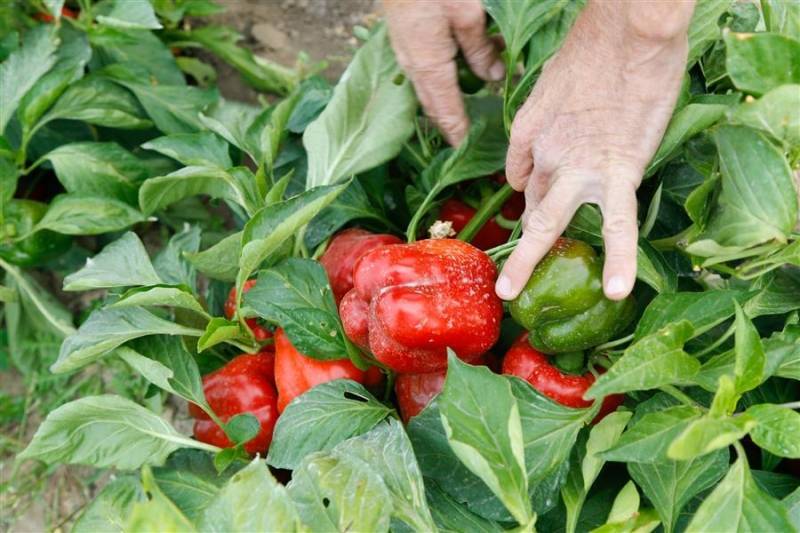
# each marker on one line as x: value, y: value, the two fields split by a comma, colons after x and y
x: 342, y: 253
x: 410, y: 302
x: 259, y: 332
x: 524, y: 361
x: 415, y: 391
x: 296, y: 373
x: 243, y: 385
x: 491, y: 233
x: 47, y: 17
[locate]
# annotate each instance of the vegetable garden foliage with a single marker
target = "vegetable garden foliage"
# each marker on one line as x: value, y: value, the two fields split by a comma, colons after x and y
x: 133, y: 146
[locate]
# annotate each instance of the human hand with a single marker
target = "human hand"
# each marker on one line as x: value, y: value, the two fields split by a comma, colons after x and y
x: 587, y: 131
x: 426, y: 36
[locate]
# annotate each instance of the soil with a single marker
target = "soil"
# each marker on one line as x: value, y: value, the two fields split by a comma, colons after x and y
x: 278, y: 30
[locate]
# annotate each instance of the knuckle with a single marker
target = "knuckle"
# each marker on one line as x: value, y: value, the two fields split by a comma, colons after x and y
x: 538, y: 225
x: 619, y: 224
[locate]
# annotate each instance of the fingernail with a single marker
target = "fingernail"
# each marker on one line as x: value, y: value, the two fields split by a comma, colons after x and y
x: 497, y: 71
x: 503, y: 287
x: 615, y: 287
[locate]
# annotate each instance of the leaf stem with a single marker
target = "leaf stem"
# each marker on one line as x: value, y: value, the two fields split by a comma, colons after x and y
x: 717, y: 343
x: 679, y: 395
x: 789, y: 405
x: 486, y: 211
x: 413, y: 226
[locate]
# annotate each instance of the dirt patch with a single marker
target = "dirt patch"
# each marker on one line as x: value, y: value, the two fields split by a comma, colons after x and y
x: 279, y: 30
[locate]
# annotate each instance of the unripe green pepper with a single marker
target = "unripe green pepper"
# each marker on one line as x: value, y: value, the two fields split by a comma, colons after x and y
x: 20, y: 217
x: 563, y: 305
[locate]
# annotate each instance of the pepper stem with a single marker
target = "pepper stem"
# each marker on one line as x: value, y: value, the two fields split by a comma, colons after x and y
x: 487, y: 210
x: 570, y: 362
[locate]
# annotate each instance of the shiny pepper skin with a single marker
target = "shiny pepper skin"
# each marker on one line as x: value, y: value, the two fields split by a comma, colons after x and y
x: 410, y: 302
x: 259, y: 332
x: 296, y: 373
x: 563, y: 305
x: 491, y: 233
x: 342, y: 253
x: 243, y: 385
x: 415, y: 391
x: 20, y: 217
x: 524, y: 361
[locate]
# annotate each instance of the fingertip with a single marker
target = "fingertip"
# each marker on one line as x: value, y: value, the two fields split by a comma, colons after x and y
x: 618, y: 286
x: 504, y: 288
x: 497, y: 71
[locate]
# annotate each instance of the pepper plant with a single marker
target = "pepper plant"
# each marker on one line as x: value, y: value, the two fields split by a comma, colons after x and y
x: 675, y: 409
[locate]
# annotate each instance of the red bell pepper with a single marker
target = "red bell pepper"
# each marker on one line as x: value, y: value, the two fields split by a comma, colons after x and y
x: 491, y: 233
x: 524, y: 361
x: 296, y: 373
x: 410, y: 302
x: 47, y: 17
x: 243, y: 385
x: 342, y: 253
x: 260, y: 332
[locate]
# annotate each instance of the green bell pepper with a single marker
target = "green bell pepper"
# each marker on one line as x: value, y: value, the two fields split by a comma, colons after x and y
x: 563, y: 305
x: 21, y: 247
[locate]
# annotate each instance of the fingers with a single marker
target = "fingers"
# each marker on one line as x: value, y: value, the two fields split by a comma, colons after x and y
x: 542, y: 227
x: 468, y: 21
x: 438, y: 92
x: 519, y: 158
x: 620, y: 233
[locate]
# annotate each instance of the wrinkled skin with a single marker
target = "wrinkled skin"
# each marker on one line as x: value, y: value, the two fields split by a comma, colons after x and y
x: 260, y: 333
x: 415, y: 391
x: 243, y: 385
x: 296, y: 373
x: 491, y: 233
x: 410, y: 302
x: 563, y: 304
x: 342, y: 253
x: 525, y: 362
x: 20, y: 217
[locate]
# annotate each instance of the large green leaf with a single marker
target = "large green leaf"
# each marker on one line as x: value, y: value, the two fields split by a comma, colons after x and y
x: 670, y: 485
x: 320, y: 419
x: 252, y: 500
x: 737, y: 504
x: 156, y: 512
x: 368, y: 119
x: 647, y: 440
x: 777, y: 429
x: 704, y: 27
x: 138, y: 48
x: 774, y: 113
x: 108, y: 510
x: 198, y: 149
x: 707, y: 434
x: 760, y: 62
x: 171, y: 264
x: 520, y: 19
x: 107, y: 329
x: 76, y: 214
x: 105, y: 431
x: 127, y: 15
x: 451, y: 517
x: 220, y: 261
x: 685, y: 124
x: 176, y: 297
x: 487, y: 436
x: 24, y: 67
x: 98, y: 101
x: 123, y: 263
x: 782, y: 16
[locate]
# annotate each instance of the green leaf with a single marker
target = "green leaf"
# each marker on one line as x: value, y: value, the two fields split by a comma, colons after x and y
x: 159, y: 192
x: 777, y: 429
x: 242, y: 428
x: 126, y: 15
x: 335, y: 492
x: 237, y: 123
x: 24, y: 67
x: 106, y: 329
x: 792, y: 504
x: 519, y: 20
x: 220, y: 261
x: 647, y: 440
x: 156, y: 512
x: 704, y: 27
x: 219, y: 330
x: 173, y: 108
x: 703, y: 310
x: 161, y: 296
x: 75, y: 214
x: 651, y: 362
x: 685, y: 124
x: 273, y: 225
x: 387, y: 450
x: 708, y: 434
x: 654, y: 270
x: 549, y: 429
x: 98, y: 169
x: 137, y: 49
x: 452, y: 517
x: 758, y: 202
x: 109, y: 509
x: 670, y: 485
x: 193, y: 149
x: 170, y: 263
x: 368, y: 119
x: 123, y: 263
x: 320, y: 419
x: 252, y: 500
x: 487, y: 437
x: 602, y: 437
x: 315, y: 93
x: 760, y: 62
x: 778, y: 289
x: 105, y: 431
x: 781, y: 16
x: 774, y: 113
x: 750, y: 358
x: 101, y: 102
x: 737, y: 504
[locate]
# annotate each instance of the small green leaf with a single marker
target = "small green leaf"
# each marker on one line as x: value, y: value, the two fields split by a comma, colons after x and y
x: 242, y: 428
x: 101, y: 102
x: 775, y: 113
x: 127, y: 15
x: 161, y: 296
x: 685, y: 124
x: 703, y: 310
x: 520, y: 20
x: 602, y: 437
x: 157, y: 512
x: 777, y: 429
x: 74, y: 214
x: 219, y: 330
x: 108, y: 510
x: 760, y: 62
x: 750, y: 358
x: 123, y: 263
x: 708, y: 434
x: 647, y: 440
x: 221, y: 260
x: 193, y: 149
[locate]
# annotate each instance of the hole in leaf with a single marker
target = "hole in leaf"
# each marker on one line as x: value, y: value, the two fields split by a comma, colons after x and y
x: 399, y: 79
x: 326, y: 502
x: 353, y: 396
